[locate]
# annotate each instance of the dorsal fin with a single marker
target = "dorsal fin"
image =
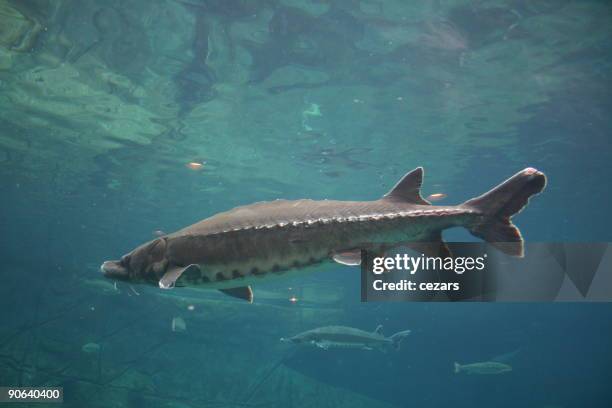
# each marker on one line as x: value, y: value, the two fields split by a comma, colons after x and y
x: 408, y: 189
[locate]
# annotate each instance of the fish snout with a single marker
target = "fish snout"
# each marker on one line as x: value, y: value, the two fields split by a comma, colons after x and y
x: 114, y: 270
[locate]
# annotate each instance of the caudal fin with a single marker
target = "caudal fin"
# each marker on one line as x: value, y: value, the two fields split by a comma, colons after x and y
x: 500, y: 204
x: 396, y: 339
x: 457, y: 367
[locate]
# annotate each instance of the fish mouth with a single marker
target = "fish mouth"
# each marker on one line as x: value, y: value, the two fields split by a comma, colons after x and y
x: 114, y: 270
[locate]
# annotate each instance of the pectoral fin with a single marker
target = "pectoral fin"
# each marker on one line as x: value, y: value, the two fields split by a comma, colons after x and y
x: 244, y: 292
x: 350, y: 258
x: 173, y: 275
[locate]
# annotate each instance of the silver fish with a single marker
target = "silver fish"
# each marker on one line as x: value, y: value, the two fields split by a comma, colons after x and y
x: 330, y: 337
x: 483, y: 368
x: 233, y: 249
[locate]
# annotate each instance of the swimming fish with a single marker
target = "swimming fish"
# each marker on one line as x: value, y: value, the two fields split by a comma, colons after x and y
x: 347, y: 337
x: 90, y: 348
x: 487, y: 367
x: 231, y: 250
x: 195, y: 166
x: 436, y: 197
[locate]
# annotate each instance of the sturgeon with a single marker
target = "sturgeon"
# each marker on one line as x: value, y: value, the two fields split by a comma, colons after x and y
x: 231, y: 250
x: 347, y: 337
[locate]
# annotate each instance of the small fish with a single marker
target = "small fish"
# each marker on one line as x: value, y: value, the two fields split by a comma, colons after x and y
x: 90, y: 348
x: 347, y: 337
x: 158, y: 233
x: 436, y: 197
x: 484, y: 368
x: 178, y: 325
x: 195, y: 165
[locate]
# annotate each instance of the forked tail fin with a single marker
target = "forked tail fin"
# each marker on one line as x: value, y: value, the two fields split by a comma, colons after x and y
x: 396, y: 339
x: 457, y: 367
x: 500, y: 204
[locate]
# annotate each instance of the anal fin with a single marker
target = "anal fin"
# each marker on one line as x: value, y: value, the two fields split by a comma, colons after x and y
x: 244, y: 292
x: 432, y: 246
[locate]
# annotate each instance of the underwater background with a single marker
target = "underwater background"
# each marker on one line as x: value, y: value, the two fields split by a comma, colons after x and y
x: 104, y: 105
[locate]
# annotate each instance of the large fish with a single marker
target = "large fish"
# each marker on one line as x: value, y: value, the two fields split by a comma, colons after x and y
x: 347, y: 337
x: 233, y: 249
